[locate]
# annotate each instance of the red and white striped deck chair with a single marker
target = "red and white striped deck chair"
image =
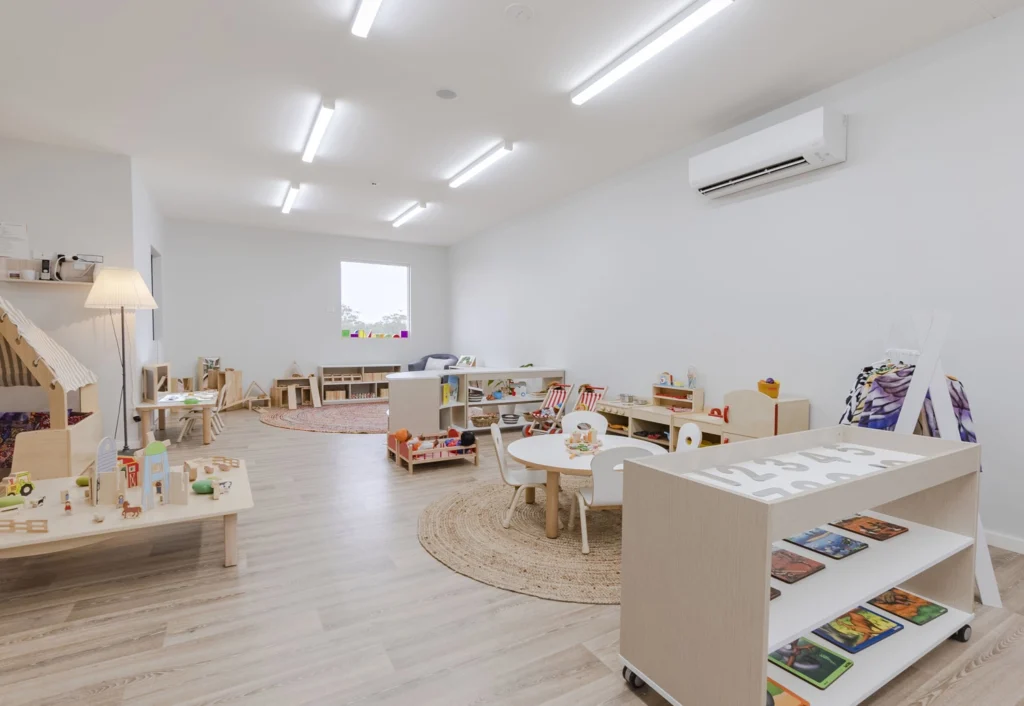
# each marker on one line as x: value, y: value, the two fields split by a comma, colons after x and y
x: 589, y: 396
x: 555, y: 400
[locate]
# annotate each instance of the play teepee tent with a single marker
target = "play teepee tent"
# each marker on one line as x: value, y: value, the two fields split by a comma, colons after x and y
x: 58, y: 444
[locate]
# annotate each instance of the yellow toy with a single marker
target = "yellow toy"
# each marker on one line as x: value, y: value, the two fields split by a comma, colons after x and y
x: 19, y: 483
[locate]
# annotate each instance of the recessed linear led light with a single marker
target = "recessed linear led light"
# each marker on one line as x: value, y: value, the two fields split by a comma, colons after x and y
x: 481, y: 164
x: 407, y: 216
x: 289, y: 198
x: 323, y: 119
x: 365, y: 15
x: 675, y: 29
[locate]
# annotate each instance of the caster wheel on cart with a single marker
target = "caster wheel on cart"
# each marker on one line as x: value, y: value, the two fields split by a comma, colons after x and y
x: 769, y: 700
x: 963, y: 634
x: 632, y: 679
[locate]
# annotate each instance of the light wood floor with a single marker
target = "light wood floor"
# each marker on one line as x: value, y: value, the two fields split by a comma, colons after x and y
x: 334, y: 602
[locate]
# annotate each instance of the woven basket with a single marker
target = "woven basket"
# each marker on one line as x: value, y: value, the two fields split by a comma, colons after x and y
x: 485, y: 420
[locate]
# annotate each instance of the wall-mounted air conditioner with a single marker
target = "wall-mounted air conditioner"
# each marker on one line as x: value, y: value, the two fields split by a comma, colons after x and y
x: 810, y: 141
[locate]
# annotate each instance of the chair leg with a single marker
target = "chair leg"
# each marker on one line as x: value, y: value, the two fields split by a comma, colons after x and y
x: 583, y: 524
x: 184, y: 430
x: 507, y: 520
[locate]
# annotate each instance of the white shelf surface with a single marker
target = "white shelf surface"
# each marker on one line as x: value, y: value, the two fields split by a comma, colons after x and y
x: 501, y: 425
x: 509, y: 401
x: 877, y: 665
x: 58, y: 282
x: 847, y: 583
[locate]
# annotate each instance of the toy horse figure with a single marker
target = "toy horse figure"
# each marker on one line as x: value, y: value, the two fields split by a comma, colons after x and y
x: 129, y: 511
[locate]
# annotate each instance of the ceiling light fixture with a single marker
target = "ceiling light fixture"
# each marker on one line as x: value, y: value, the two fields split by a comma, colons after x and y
x: 365, y: 15
x: 407, y: 216
x: 481, y: 164
x: 323, y: 119
x: 289, y: 198
x: 675, y: 29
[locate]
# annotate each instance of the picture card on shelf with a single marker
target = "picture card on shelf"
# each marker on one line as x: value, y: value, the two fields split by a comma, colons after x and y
x: 908, y: 606
x: 790, y: 474
x: 858, y: 630
x: 811, y: 662
x: 830, y: 544
x: 791, y: 567
x: 871, y: 528
x: 781, y: 696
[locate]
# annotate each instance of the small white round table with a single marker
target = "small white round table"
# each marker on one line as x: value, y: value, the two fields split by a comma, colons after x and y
x: 547, y: 452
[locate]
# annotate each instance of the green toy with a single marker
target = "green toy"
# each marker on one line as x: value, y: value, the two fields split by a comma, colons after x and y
x: 82, y: 481
x: 12, y: 500
x: 204, y: 486
x: 192, y: 400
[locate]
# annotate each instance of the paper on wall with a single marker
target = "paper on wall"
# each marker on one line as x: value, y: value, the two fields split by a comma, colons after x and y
x: 14, y: 241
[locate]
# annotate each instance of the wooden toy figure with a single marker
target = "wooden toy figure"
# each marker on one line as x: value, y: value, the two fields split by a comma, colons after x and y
x: 65, y: 497
x: 155, y: 469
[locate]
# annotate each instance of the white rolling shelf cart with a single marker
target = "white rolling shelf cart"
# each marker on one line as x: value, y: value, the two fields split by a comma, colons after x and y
x: 699, y: 528
x: 355, y: 379
x: 416, y: 401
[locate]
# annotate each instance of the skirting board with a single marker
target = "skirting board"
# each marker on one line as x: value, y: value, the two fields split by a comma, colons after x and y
x: 1005, y: 541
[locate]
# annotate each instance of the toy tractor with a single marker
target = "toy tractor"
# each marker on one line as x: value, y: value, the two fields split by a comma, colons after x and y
x: 19, y: 484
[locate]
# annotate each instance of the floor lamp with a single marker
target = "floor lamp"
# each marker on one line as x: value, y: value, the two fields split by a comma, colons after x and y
x: 118, y: 288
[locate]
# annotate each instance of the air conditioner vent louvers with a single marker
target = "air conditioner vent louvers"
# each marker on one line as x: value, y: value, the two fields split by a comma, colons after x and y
x: 775, y: 168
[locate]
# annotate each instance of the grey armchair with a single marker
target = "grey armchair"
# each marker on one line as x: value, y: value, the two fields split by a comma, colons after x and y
x: 421, y: 364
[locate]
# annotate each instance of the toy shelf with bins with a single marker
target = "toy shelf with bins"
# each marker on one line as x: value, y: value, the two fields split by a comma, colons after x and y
x: 417, y: 403
x: 355, y: 382
x: 650, y: 418
x: 617, y: 416
x: 724, y: 508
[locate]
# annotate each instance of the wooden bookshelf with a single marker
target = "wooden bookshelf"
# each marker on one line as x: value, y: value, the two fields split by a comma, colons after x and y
x: 355, y: 382
x: 682, y: 399
x: 723, y: 508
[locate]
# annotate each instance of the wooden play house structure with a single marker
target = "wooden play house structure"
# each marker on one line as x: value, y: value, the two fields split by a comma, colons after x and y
x: 30, y: 358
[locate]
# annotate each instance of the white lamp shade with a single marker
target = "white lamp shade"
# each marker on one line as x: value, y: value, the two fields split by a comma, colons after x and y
x: 117, y: 287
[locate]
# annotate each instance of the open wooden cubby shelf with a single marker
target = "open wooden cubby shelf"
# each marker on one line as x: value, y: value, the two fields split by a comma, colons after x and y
x: 698, y: 532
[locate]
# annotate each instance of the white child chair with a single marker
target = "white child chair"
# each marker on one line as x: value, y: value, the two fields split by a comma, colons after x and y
x: 194, y: 416
x: 606, y: 492
x: 571, y: 422
x: 519, y: 478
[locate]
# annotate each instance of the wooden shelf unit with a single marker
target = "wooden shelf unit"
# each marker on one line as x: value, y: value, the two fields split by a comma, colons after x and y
x: 417, y: 403
x: 723, y: 509
x: 684, y: 399
x: 650, y: 418
x: 355, y: 382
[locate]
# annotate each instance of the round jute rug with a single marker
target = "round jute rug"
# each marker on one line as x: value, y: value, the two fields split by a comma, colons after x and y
x: 463, y: 531
x: 361, y: 418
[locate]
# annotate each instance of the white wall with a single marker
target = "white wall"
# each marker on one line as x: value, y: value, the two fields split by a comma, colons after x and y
x: 72, y: 201
x: 261, y: 299
x: 147, y: 236
x: 801, y: 282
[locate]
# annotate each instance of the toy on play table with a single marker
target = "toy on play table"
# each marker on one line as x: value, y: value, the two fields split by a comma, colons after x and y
x: 155, y: 472
x: 65, y: 498
x: 19, y: 483
x: 583, y: 441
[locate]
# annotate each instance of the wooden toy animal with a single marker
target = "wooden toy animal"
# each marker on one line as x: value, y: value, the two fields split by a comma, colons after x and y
x: 129, y: 511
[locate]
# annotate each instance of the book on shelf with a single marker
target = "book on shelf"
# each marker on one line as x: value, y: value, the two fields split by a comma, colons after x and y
x: 830, y: 544
x: 906, y: 605
x: 858, y: 630
x: 871, y: 528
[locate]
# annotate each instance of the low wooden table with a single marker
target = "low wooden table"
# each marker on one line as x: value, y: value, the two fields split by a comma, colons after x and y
x: 548, y: 452
x: 176, y: 400
x: 78, y: 528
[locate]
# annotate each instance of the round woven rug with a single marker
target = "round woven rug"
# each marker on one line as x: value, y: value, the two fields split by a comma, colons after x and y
x: 463, y: 531
x: 361, y: 418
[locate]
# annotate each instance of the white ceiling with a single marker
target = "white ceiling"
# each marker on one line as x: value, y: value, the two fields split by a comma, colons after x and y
x: 216, y: 97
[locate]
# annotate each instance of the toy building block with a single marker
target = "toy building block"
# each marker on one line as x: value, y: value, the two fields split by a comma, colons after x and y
x: 192, y: 468
x: 291, y: 397
x: 155, y: 470
x: 225, y: 463
x: 314, y: 392
x: 178, y: 487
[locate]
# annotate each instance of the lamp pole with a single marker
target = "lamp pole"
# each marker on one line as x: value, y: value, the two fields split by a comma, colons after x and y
x: 124, y: 388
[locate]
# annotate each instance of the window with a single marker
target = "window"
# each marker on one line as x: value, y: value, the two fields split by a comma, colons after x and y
x: 374, y: 298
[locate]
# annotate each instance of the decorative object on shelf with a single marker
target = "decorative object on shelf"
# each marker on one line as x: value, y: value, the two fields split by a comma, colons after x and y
x: 510, y: 418
x: 484, y: 420
x: 665, y: 379
x: 691, y: 377
x: 466, y: 361
x: 769, y: 387
x: 119, y: 288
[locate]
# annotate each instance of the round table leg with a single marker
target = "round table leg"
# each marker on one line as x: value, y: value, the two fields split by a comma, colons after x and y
x: 530, y: 496
x: 551, y: 515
